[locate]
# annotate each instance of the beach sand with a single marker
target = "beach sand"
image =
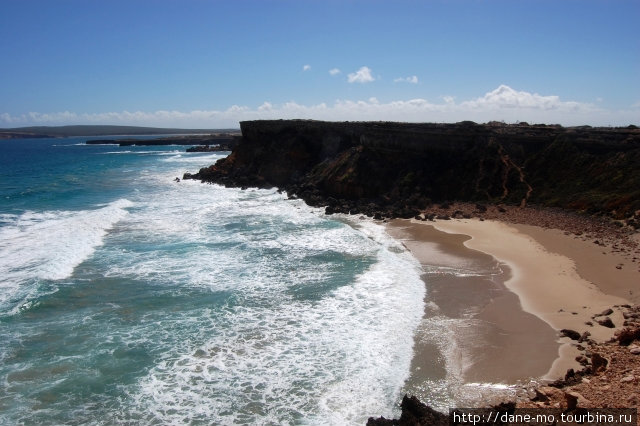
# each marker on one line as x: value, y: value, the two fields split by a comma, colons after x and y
x: 503, y: 291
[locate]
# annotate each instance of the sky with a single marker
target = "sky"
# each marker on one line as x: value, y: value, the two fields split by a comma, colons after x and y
x: 211, y: 64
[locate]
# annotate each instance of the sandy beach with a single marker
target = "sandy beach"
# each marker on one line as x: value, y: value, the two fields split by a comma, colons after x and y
x: 529, y: 283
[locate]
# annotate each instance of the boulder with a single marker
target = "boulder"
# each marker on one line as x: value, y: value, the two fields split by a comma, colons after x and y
x: 481, y: 208
x: 605, y: 312
x: 548, y: 392
x: 574, y: 399
x: 598, y: 362
x: 606, y: 322
x: 571, y: 334
x: 582, y: 360
x: 628, y: 335
x: 584, y: 337
x: 569, y: 374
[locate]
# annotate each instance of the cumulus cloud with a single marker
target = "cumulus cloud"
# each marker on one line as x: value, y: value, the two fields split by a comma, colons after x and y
x: 306, y: 67
x: 413, y: 79
x: 501, y: 104
x: 363, y: 75
x: 506, y: 97
x: 267, y: 106
x: 334, y: 71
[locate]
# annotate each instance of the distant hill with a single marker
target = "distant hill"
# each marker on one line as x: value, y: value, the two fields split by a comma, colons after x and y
x: 86, y: 130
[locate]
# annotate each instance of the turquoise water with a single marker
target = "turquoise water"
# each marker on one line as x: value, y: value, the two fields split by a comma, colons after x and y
x: 127, y: 298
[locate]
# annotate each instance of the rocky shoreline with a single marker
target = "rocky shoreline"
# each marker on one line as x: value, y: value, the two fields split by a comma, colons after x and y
x: 228, y: 140
x: 609, y: 378
x: 210, y: 148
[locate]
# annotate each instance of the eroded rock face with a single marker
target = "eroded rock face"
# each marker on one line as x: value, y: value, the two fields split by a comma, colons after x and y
x: 396, y: 169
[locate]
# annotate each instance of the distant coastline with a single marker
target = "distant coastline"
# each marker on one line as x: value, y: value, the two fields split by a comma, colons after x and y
x: 228, y: 140
x: 100, y: 130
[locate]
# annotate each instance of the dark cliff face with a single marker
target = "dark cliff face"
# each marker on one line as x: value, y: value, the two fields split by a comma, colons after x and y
x: 395, y: 168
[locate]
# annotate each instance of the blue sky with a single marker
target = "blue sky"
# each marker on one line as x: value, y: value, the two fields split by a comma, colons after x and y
x: 197, y: 63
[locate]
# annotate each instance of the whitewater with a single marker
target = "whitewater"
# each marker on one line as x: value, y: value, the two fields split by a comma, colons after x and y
x: 127, y: 298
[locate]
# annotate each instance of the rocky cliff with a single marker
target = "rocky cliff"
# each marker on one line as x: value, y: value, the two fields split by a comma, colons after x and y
x: 394, y: 169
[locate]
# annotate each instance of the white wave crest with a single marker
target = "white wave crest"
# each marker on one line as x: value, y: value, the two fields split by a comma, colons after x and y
x: 49, y: 245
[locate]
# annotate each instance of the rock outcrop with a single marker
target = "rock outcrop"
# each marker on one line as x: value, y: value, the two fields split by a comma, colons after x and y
x: 414, y: 413
x: 218, y: 140
x: 395, y: 169
x: 209, y: 148
x: 609, y: 376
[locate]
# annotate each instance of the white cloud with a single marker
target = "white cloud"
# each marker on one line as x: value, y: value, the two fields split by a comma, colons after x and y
x: 505, y: 97
x: 306, y: 67
x: 413, y: 80
x: 267, y: 106
x: 363, y: 75
x: 502, y: 103
x: 334, y: 71
x: 6, y: 118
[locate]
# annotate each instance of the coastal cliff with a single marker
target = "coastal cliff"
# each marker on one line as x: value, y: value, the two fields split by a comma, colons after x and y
x: 387, y: 169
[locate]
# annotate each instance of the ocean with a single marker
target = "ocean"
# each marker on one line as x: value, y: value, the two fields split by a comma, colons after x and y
x: 129, y: 298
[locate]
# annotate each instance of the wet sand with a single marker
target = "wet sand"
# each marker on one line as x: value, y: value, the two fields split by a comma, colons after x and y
x: 501, y: 292
x: 481, y: 334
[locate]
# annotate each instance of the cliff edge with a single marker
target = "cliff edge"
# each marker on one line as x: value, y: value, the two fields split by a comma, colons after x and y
x: 387, y: 169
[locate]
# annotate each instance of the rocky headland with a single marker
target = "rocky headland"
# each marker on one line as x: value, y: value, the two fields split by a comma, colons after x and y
x: 210, y: 148
x: 385, y: 169
x: 227, y: 140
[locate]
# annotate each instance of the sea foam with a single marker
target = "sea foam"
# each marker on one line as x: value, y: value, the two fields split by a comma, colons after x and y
x: 49, y: 245
x: 232, y: 307
x: 289, y: 349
